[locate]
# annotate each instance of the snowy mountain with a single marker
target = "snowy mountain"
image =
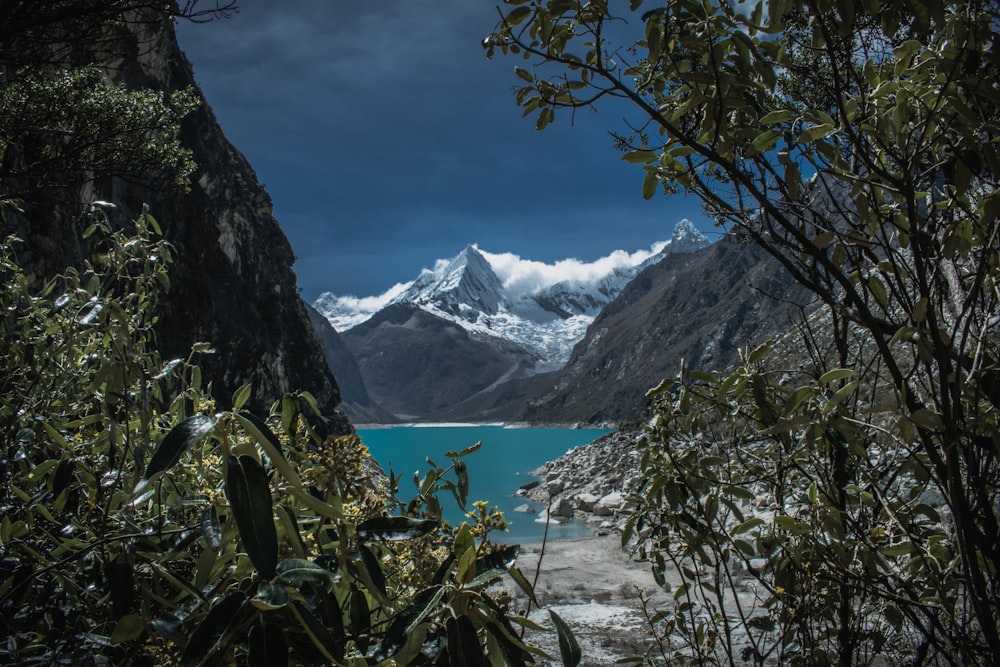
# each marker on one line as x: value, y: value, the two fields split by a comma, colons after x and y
x: 544, y: 309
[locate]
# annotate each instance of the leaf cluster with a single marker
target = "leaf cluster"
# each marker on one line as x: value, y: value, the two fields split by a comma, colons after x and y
x: 63, y: 124
x: 144, y: 524
x: 855, y: 482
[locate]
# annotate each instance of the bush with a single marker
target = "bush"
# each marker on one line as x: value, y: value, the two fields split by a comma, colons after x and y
x: 144, y: 524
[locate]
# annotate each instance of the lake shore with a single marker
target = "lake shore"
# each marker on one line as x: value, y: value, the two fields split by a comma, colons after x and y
x: 593, y: 585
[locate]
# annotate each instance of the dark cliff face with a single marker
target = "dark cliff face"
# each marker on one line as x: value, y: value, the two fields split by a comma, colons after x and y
x: 232, y: 281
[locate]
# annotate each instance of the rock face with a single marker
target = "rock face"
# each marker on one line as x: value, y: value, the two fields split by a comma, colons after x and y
x: 356, y: 402
x: 416, y: 364
x: 232, y: 282
x: 701, y: 307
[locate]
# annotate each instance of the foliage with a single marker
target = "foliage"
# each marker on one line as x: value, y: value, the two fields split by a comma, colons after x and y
x: 63, y: 122
x: 59, y: 125
x: 144, y: 525
x: 857, y: 490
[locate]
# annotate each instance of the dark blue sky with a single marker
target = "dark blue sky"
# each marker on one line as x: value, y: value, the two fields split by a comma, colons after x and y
x: 387, y: 140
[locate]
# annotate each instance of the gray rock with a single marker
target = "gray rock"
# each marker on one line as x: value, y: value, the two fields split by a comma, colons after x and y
x: 555, y: 486
x: 613, y: 502
x: 525, y: 509
x: 585, y: 502
x: 563, y: 507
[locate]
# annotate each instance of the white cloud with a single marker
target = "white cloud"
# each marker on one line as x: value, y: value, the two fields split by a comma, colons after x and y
x: 527, y: 276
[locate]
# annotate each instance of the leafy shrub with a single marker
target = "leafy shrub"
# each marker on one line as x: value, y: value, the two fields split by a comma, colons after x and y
x: 142, y: 523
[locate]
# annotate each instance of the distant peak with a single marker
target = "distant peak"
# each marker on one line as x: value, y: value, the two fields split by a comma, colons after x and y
x: 687, y: 238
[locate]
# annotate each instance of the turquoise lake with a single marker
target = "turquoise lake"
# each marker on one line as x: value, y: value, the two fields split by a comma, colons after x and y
x: 496, y: 471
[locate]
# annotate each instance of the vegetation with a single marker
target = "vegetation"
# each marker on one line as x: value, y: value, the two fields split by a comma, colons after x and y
x: 142, y: 523
x: 62, y: 121
x: 839, y: 505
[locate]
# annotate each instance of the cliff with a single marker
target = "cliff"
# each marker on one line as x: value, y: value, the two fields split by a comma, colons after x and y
x: 232, y: 281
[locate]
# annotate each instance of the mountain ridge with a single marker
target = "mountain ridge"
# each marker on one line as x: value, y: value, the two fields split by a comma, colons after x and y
x: 546, y: 318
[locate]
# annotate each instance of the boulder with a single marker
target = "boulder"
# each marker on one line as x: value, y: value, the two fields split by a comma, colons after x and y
x: 525, y: 509
x: 585, y: 501
x: 563, y: 507
x: 609, y: 504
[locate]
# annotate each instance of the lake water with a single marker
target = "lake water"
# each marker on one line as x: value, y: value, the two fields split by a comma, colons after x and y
x: 496, y: 471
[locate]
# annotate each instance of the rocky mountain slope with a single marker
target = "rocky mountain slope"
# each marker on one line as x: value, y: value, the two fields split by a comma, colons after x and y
x: 232, y: 282
x: 461, y: 330
x: 356, y: 403
x: 700, y: 307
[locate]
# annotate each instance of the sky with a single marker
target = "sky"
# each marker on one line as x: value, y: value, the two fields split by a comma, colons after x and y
x: 387, y: 140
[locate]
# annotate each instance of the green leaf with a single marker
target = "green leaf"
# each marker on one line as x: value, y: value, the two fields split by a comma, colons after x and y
x: 321, y: 638
x: 249, y: 495
x: 406, y: 622
x: 296, y: 571
x: 779, y: 116
x: 524, y: 74
x: 895, y: 550
x: 815, y: 133
x: 176, y: 442
x: 474, y: 447
x: 545, y: 116
x: 517, y: 15
x: 640, y: 157
x: 241, y: 396
x: 835, y: 374
x: 361, y: 618
x: 515, y: 652
x: 269, y: 442
x: 927, y: 420
x: 289, y: 411
x: 466, y: 570
x: 840, y: 396
x: 462, y: 491
x: 524, y: 584
x: 792, y: 525
x: 128, y: 628
x: 375, y: 579
x: 749, y: 524
x: 211, y: 528
x: 396, y: 528
x: 270, y: 596
x: 463, y: 643
x: 267, y: 646
x: 649, y: 183
x: 493, y: 565
x: 526, y: 622
x: 766, y: 141
x: 210, y: 635
x: 568, y: 647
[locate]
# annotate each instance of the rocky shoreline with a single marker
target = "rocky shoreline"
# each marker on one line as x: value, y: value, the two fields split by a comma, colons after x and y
x: 591, y: 582
x: 590, y: 483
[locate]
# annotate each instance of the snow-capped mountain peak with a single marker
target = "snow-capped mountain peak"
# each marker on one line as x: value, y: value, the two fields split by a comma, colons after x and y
x: 466, y: 282
x: 686, y: 238
x: 543, y: 307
